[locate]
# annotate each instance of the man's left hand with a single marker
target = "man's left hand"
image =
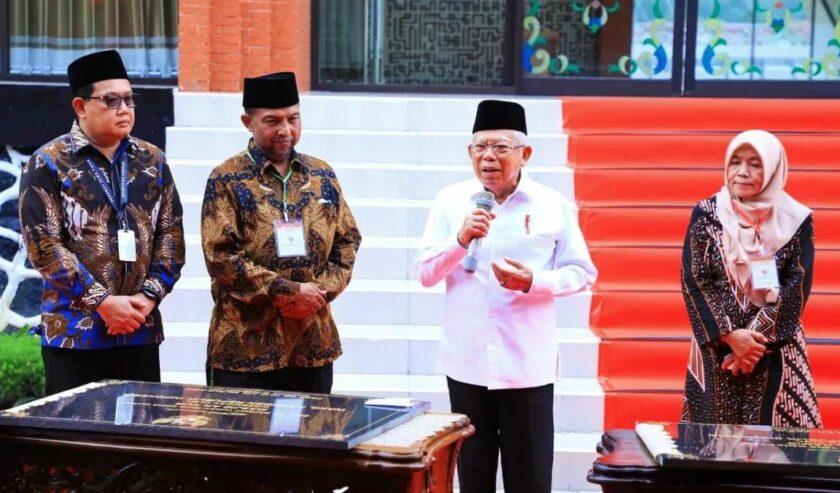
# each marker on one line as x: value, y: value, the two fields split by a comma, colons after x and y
x: 515, y: 275
x: 142, y: 303
x: 304, y: 304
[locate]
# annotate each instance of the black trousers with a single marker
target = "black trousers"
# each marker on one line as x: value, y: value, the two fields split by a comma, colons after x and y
x: 68, y: 368
x: 312, y: 380
x: 520, y: 423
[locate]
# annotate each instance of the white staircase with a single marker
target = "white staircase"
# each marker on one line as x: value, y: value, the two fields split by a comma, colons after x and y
x: 392, y: 154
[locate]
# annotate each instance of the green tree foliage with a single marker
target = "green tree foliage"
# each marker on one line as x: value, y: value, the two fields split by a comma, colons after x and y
x: 21, y: 368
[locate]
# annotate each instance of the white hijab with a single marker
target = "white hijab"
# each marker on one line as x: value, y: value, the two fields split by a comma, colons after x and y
x: 777, y: 213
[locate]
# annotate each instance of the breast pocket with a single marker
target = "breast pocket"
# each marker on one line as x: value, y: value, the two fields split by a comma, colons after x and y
x: 538, y: 246
x: 327, y: 201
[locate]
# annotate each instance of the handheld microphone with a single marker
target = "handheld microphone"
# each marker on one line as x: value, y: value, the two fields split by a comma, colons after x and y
x: 484, y: 201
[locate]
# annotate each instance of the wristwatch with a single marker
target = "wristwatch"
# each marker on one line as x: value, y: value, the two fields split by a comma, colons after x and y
x: 148, y: 293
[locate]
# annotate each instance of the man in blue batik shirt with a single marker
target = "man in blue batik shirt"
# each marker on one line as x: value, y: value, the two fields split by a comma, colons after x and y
x: 102, y: 223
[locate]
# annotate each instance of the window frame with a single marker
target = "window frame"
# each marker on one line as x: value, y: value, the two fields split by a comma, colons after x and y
x: 682, y: 83
x: 506, y: 89
x: 4, y: 39
x: 5, y: 62
x: 607, y: 86
x: 778, y: 89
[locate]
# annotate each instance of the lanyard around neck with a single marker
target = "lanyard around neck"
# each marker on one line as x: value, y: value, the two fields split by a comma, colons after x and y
x: 108, y: 188
x: 283, y: 180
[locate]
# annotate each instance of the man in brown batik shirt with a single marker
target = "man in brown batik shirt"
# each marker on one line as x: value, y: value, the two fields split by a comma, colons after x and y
x: 280, y: 242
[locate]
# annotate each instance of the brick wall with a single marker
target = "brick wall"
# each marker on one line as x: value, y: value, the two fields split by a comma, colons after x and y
x: 222, y: 41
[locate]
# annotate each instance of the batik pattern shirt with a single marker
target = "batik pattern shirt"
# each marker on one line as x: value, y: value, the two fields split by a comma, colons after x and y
x: 780, y: 390
x: 70, y: 231
x: 242, y: 200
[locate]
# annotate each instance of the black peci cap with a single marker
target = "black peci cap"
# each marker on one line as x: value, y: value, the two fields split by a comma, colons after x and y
x: 500, y: 115
x: 102, y: 65
x: 270, y: 91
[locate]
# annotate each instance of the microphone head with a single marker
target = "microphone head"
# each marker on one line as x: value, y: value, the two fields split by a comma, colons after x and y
x: 470, y: 264
x: 485, y: 200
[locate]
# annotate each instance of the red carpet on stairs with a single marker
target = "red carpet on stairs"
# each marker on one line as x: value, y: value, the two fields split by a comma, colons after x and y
x: 656, y: 268
x: 701, y: 115
x: 678, y: 150
x: 640, y: 165
x: 665, y: 226
x: 661, y: 314
x: 679, y: 187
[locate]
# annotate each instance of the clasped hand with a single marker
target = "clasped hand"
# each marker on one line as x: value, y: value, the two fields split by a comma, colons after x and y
x: 306, y: 303
x: 748, y: 347
x: 125, y: 314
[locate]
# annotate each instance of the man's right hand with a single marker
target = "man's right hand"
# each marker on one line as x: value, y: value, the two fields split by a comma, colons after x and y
x: 119, y: 315
x: 476, y: 225
x: 306, y: 303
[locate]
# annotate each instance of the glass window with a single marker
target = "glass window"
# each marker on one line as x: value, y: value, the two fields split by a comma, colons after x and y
x: 598, y: 38
x: 343, y: 28
x: 565, y: 44
x: 46, y: 35
x: 413, y: 42
x: 768, y: 40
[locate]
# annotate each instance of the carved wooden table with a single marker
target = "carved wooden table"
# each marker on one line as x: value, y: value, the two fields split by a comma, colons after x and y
x: 130, y: 437
x: 418, y: 456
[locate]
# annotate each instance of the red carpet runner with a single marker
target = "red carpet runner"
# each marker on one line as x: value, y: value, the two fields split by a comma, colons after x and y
x: 640, y: 165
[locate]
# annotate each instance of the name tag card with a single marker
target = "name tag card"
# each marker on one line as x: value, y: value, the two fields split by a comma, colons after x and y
x: 764, y: 273
x: 288, y: 236
x: 126, y: 245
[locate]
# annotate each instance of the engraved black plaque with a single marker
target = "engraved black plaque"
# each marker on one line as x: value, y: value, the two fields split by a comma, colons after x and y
x: 743, y: 447
x: 215, y: 413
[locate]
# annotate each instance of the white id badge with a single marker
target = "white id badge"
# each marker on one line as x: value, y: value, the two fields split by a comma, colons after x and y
x: 289, y: 238
x: 127, y: 248
x: 764, y: 273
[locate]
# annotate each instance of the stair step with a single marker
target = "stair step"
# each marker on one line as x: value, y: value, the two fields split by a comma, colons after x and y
x: 645, y: 226
x: 635, y: 226
x: 625, y: 365
x: 670, y: 188
x: 623, y: 409
x: 674, y: 150
x: 366, y: 111
x: 651, y: 115
x: 378, y: 258
x: 658, y: 269
x: 380, y: 180
x: 374, y: 217
x: 373, y: 146
x: 397, y: 302
x: 409, y: 349
x: 578, y: 402
x: 628, y: 315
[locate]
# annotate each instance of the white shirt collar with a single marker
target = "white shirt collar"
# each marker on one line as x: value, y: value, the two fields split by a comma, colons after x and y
x: 525, y: 186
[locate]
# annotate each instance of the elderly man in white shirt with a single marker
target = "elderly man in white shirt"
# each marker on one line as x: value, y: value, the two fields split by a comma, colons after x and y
x: 498, y: 346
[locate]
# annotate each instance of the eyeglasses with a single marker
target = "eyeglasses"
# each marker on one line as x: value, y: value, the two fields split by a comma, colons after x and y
x: 112, y: 101
x: 496, y: 149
